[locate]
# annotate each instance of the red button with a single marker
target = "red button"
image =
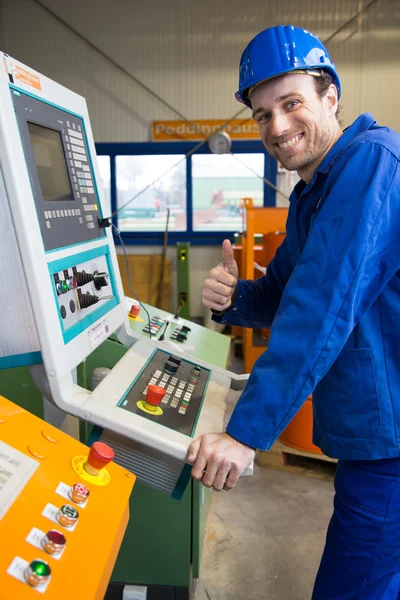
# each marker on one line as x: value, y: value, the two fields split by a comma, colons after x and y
x: 100, y: 455
x: 135, y: 310
x: 155, y: 394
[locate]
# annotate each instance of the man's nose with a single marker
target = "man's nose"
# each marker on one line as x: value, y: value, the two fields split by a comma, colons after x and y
x: 279, y: 124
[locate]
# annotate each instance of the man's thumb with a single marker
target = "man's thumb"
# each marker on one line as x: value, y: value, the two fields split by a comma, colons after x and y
x: 227, y: 253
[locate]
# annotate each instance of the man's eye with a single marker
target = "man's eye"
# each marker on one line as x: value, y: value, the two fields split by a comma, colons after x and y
x: 293, y: 103
x: 263, y: 118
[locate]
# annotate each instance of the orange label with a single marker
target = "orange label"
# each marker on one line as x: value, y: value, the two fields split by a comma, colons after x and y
x: 27, y: 77
x: 238, y: 129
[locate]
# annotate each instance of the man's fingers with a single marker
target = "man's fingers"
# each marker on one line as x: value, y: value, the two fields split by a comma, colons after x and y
x: 232, y: 478
x: 223, y: 472
x: 227, y: 253
x: 219, y: 274
x: 218, y: 288
x: 193, y: 450
x: 210, y: 473
x: 199, y: 467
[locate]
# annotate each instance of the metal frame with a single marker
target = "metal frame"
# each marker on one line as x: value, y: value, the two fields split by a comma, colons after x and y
x: 153, y: 148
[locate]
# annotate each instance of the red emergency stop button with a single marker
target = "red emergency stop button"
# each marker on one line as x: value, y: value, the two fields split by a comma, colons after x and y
x: 100, y: 455
x: 155, y: 393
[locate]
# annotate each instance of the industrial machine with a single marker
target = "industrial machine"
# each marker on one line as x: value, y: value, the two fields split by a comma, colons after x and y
x: 55, y: 504
x: 61, y: 296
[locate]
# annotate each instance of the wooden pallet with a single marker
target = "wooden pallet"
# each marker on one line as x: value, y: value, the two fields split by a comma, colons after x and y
x: 284, y: 457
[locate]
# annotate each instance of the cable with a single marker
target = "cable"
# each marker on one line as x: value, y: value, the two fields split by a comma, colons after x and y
x: 271, y: 185
x: 192, y: 151
x: 117, y: 233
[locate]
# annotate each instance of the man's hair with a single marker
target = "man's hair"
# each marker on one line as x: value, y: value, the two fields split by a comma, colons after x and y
x: 322, y: 84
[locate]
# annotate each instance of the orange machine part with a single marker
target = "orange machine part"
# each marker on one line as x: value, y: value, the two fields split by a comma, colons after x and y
x: 298, y: 434
x: 85, y: 567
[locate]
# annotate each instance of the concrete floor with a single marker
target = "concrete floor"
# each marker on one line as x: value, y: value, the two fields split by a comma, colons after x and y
x: 265, y: 537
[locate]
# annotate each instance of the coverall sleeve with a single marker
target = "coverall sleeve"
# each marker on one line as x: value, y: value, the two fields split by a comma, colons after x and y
x: 352, y: 251
x: 257, y: 301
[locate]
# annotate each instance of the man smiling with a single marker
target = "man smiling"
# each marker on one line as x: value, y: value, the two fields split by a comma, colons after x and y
x: 331, y: 296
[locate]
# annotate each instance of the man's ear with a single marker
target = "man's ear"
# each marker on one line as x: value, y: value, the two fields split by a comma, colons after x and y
x: 331, y: 98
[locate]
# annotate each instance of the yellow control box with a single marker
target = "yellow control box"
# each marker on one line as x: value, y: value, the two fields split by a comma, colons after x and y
x: 61, y: 526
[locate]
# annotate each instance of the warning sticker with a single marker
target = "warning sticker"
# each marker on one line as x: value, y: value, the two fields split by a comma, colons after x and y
x: 98, y: 333
x: 26, y: 77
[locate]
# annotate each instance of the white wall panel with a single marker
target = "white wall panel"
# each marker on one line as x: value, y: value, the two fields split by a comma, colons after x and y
x: 188, y: 53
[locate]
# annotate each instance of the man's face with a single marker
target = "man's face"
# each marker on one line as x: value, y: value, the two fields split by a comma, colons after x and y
x: 296, y: 126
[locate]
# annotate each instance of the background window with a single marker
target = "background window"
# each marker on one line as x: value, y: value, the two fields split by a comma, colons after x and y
x: 219, y: 184
x: 105, y: 174
x: 148, y: 210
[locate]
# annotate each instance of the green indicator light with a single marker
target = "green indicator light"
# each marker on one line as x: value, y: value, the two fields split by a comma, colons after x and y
x: 65, y: 286
x: 41, y: 569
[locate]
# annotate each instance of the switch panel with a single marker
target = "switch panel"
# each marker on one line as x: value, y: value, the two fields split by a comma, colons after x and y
x: 81, y: 289
x: 50, y: 516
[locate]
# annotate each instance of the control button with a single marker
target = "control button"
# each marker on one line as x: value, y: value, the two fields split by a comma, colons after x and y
x: 72, y: 306
x: 37, y: 451
x: 37, y: 572
x: 63, y: 311
x: 48, y: 435
x: 53, y: 542
x: 62, y: 287
x: 100, y: 455
x: 155, y: 394
x: 67, y: 515
x: 170, y: 367
x: 79, y: 493
x: 135, y: 309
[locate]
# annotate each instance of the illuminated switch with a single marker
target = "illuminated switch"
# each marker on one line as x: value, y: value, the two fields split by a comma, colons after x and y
x: 67, y: 515
x: 54, y: 542
x: 99, y: 456
x: 79, y: 493
x: 37, y: 572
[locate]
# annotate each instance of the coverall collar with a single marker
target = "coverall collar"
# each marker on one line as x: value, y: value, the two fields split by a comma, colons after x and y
x: 364, y: 122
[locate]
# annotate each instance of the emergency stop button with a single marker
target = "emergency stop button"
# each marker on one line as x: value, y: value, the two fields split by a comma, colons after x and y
x: 155, y: 393
x: 100, y: 455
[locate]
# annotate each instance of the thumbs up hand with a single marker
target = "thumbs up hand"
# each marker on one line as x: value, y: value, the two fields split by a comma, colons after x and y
x: 221, y: 281
x: 229, y: 263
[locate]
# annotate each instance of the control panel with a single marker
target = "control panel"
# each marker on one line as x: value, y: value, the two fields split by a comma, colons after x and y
x: 62, y: 179
x: 81, y: 288
x: 185, y: 384
x: 63, y: 510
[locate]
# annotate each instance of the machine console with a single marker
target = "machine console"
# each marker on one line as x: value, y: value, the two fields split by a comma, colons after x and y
x: 185, y: 384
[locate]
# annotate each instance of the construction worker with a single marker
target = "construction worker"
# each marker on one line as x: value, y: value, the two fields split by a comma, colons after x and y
x: 331, y: 297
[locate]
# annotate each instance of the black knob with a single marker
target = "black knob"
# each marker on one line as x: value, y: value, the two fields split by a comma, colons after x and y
x: 87, y: 300
x: 170, y: 367
x: 100, y: 280
x: 83, y: 278
x: 177, y: 361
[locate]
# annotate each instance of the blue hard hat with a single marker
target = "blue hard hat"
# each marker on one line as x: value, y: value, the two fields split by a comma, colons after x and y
x: 279, y: 50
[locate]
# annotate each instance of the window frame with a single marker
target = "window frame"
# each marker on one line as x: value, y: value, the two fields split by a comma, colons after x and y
x: 205, y: 238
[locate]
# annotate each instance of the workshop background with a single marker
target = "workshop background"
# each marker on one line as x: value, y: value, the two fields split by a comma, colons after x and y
x: 187, y: 53
x: 140, y: 62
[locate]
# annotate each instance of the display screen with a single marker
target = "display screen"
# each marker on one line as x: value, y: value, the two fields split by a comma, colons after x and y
x: 51, y: 163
